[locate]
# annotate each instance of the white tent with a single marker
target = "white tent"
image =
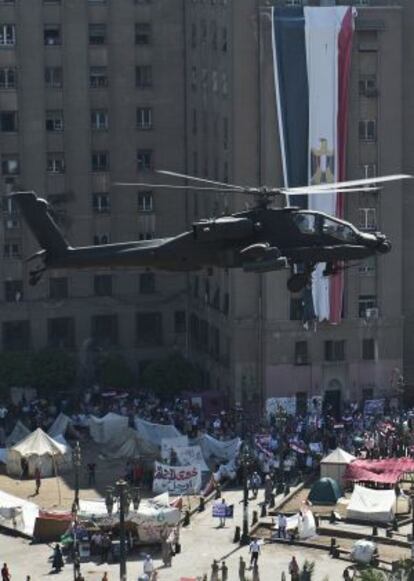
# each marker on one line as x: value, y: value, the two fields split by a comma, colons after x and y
x: 153, y: 516
x: 108, y: 430
x: 218, y: 450
x: 17, y: 434
x: 130, y: 448
x: 151, y: 435
x: 335, y: 463
x: 39, y: 450
x: 368, y: 504
x: 59, y: 426
x: 17, y: 514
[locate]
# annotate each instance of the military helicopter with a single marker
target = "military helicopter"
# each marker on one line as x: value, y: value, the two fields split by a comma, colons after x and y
x: 260, y: 239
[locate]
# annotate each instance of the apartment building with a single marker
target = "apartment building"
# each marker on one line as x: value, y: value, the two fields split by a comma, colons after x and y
x: 95, y: 92
x: 91, y: 93
x: 264, y: 348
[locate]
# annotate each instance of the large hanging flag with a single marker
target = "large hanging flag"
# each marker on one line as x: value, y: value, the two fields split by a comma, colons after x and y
x: 312, y: 55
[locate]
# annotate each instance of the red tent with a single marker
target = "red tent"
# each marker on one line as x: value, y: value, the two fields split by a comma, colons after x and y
x: 387, y: 471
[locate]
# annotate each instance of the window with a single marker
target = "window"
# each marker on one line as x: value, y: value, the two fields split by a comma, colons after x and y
x: 61, y: 332
x: 368, y: 349
x: 105, y: 330
x: 143, y: 76
x: 100, y: 161
x: 16, y: 336
x: 102, y: 285
x: 368, y: 130
x: 10, y: 165
x: 334, y: 350
x: 52, y: 35
x: 193, y: 35
x: 100, y: 202
x: 145, y: 235
x: 301, y: 353
x: 368, y: 267
x: 55, y: 163
x: 11, y: 250
x: 213, y: 32
x: 58, y: 288
x: 13, y: 291
x: 97, y: 34
x: 144, y: 159
x: 296, y: 309
x: 226, y: 303
x: 367, y: 218
x: 149, y: 329
x: 203, y: 30
x: 180, y: 322
x: 8, y: 121
x: 143, y: 33
x: 224, y: 39
x: 144, y: 118
x: 194, y: 123
x: 368, y: 86
x: 147, y: 283
x: 53, y: 77
x: 8, y: 78
x: 366, y: 302
x: 99, y: 119
x: 98, y: 77
x: 7, y: 35
x: 225, y: 133
x: 338, y: 230
x: 54, y: 120
x: 100, y: 239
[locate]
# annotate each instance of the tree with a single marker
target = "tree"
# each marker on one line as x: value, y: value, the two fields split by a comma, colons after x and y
x: 171, y: 376
x: 15, y: 369
x: 53, y: 370
x: 113, y: 371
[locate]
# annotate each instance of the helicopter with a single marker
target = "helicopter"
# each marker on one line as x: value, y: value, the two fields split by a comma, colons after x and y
x: 258, y: 240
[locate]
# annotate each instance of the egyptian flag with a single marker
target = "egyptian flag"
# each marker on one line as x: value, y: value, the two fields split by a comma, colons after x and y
x: 312, y: 56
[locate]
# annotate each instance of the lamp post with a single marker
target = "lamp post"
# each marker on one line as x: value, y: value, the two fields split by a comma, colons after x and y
x: 245, y: 459
x: 124, y: 494
x: 77, y: 461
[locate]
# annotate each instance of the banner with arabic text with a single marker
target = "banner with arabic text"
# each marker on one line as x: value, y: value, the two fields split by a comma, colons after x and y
x: 176, y: 479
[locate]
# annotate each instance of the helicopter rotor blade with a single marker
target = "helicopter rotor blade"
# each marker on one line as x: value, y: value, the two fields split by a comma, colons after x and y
x: 171, y: 187
x: 204, y: 180
x: 305, y: 191
x: 349, y: 184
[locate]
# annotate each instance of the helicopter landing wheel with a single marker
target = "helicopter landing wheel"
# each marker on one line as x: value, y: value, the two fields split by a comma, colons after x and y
x: 297, y: 282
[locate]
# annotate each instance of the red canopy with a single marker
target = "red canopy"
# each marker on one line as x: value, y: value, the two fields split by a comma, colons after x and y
x: 388, y: 471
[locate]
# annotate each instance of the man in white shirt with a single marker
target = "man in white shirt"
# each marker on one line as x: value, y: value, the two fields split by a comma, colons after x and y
x: 254, y: 549
x: 282, y: 524
x: 148, y: 566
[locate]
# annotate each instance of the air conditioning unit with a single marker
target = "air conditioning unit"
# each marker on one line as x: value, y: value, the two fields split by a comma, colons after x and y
x: 372, y: 313
x: 11, y: 223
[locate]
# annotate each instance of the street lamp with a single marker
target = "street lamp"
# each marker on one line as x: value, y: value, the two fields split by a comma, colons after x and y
x: 124, y: 494
x: 77, y: 461
x: 245, y: 461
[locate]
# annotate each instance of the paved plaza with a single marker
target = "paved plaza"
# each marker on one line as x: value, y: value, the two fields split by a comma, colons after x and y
x: 201, y: 542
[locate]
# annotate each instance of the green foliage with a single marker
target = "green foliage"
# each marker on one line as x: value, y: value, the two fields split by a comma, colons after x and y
x: 113, y: 371
x: 370, y: 574
x: 15, y: 369
x: 171, y: 376
x: 52, y: 370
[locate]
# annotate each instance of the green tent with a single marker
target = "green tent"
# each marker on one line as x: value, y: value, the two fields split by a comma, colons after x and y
x: 325, y: 491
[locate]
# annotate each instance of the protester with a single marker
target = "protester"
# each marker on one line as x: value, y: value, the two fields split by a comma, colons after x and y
x: 5, y: 574
x: 224, y: 571
x: 57, y: 563
x: 294, y: 569
x: 254, y: 549
x: 148, y: 566
x: 38, y: 480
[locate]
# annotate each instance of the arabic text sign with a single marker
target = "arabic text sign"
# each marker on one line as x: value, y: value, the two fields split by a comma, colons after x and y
x: 221, y: 510
x: 176, y: 479
x: 373, y: 407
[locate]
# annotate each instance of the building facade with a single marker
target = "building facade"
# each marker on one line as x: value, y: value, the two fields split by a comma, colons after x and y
x: 92, y: 93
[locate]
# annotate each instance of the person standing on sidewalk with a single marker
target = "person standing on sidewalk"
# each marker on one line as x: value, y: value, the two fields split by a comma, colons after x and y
x: 254, y: 549
x: 223, y: 509
x: 294, y: 569
x: 224, y: 572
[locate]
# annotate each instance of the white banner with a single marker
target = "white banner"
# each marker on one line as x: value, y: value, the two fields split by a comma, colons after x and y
x: 278, y: 405
x: 168, y: 444
x: 322, y: 28
x: 176, y: 480
x: 191, y: 456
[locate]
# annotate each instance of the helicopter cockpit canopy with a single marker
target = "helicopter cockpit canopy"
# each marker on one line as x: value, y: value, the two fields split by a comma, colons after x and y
x: 317, y: 224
